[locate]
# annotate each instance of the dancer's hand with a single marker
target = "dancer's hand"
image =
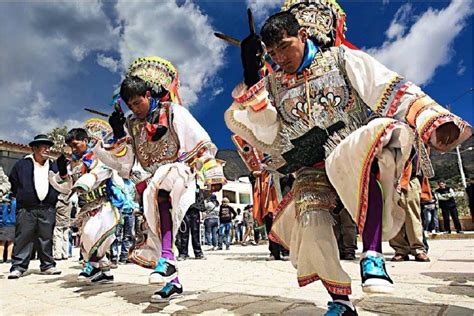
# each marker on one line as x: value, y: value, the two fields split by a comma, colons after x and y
x: 251, y: 52
x: 62, y: 165
x: 116, y: 121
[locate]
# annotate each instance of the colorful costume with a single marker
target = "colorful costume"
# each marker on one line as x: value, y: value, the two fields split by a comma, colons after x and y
x: 315, y: 124
x: 170, y: 164
x: 99, y: 202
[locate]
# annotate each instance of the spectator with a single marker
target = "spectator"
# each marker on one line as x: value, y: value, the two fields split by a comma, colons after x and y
x: 61, y: 229
x: 238, y: 225
x: 430, y: 216
x: 226, y: 215
x: 409, y: 239
x: 7, y: 222
x: 445, y: 196
x: 259, y: 232
x: 248, y: 224
x: 36, y: 214
x: 211, y: 221
x: 125, y: 230
x: 191, y: 224
x: 470, y: 197
x: 345, y: 230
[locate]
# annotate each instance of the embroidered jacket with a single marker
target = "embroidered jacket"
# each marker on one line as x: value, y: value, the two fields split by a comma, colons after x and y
x: 184, y: 141
x: 299, y: 119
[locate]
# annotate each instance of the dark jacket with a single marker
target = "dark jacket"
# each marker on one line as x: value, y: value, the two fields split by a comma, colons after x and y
x: 449, y: 203
x: 23, y: 187
x: 226, y: 214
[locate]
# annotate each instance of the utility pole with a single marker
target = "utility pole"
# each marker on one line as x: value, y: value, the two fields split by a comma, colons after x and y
x: 458, y: 153
x: 461, y: 170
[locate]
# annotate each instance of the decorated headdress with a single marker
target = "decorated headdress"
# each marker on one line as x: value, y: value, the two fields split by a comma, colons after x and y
x: 158, y: 73
x: 97, y: 129
x: 323, y: 19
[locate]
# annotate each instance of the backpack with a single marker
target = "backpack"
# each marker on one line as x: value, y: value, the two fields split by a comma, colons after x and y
x: 8, y: 213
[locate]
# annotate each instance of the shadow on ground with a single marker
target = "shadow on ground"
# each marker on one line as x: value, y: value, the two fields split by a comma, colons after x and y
x: 224, y: 302
x: 457, y: 286
x: 389, y: 305
x: 192, y: 302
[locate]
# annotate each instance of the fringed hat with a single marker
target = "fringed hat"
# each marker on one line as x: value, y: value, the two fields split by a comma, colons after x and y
x: 158, y: 73
x: 97, y: 129
x: 323, y: 19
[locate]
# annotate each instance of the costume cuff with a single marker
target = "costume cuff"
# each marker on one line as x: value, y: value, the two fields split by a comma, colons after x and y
x: 256, y: 97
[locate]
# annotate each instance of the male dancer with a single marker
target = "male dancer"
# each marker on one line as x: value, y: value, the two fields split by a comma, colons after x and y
x: 167, y: 142
x: 311, y: 116
x: 100, y: 198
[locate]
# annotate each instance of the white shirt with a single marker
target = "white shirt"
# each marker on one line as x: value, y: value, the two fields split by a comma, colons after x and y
x: 40, y: 178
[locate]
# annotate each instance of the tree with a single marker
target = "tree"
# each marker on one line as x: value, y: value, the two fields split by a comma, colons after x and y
x: 58, y: 136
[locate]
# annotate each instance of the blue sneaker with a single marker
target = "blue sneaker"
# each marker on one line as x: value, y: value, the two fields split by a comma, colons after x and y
x: 164, y: 272
x: 168, y: 292
x: 88, y: 272
x: 339, y: 309
x: 374, y: 275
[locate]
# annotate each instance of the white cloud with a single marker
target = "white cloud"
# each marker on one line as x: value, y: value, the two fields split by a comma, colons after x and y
x: 217, y: 91
x: 181, y: 34
x: 428, y: 43
x: 39, y: 55
x: 461, y: 68
x: 262, y: 9
x: 36, y: 118
x: 107, y: 62
x: 398, y: 25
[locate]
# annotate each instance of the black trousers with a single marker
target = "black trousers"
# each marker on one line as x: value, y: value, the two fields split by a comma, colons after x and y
x: 276, y: 249
x: 191, y: 224
x: 454, y: 214
x: 34, y: 226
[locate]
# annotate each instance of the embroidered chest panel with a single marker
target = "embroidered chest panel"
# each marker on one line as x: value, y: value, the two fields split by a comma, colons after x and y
x: 320, y: 97
x: 78, y: 168
x: 152, y: 154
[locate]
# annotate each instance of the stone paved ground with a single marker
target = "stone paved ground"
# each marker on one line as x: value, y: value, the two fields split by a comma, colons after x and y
x: 240, y: 281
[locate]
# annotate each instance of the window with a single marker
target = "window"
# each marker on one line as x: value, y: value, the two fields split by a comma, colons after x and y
x: 230, y: 195
x: 244, y: 198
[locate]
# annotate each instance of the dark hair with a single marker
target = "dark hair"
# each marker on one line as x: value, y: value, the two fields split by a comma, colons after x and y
x: 76, y: 134
x: 272, y: 31
x: 132, y: 87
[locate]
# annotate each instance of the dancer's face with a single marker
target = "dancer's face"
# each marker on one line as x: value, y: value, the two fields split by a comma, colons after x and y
x: 78, y: 147
x: 140, y: 105
x: 289, y: 52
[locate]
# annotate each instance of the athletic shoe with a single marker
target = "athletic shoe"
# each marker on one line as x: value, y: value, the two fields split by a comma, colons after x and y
x: 168, y: 292
x: 102, y: 278
x: 15, y: 274
x: 164, y: 272
x: 199, y: 257
x: 374, y: 275
x: 339, y: 309
x: 51, y: 271
x: 88, y: 272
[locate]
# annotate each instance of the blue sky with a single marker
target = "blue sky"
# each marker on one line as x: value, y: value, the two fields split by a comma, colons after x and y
x: 63, y: 57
